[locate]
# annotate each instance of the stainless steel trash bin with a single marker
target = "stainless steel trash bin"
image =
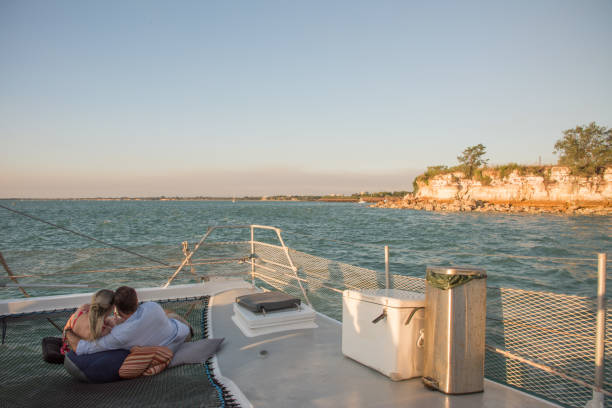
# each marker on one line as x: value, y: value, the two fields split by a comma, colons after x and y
x: 455, y: 313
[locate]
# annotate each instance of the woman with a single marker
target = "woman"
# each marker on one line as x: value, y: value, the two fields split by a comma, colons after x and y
x: 92, y: 321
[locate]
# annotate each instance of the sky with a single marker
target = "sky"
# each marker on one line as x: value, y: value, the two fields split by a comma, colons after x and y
x: 233, y: 98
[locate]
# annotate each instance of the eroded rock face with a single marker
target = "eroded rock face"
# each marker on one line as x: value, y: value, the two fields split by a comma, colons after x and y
x: 557, y: 185
x: 558, y: 192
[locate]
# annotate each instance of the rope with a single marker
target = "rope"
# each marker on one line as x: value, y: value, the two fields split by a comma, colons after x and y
x: 502, y: 255
x: 49, y: 285
x: 211, y: 379
x: 219, y: 390
x: 553, y: 259
x: 211, y: 261
x: 378, y: 246
x: 335, y: 240
x: 83, y: 235
x: 552, y: 370
x: 11, y: 275
x: 315, y: 237
x: 26, y: 294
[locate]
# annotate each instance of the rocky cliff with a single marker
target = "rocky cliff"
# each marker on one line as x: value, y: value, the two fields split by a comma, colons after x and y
x: 556, y: 184
x: 551, y: 190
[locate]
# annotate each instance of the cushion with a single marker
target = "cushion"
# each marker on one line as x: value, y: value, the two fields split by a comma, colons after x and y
x: 51, y: 350
x: 97, y: 367
x: 196, y: 352
x: 267, y: 301
x: 145, y: 361
x: 74, y: 370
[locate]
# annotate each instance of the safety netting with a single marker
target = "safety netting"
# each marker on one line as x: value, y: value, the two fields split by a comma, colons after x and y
x: 544, y: 343
x: 540, y: 343
x: 28, y: 381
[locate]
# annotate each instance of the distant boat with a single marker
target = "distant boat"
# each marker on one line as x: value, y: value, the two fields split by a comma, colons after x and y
x: 362, y: 201
x: 233, y: 199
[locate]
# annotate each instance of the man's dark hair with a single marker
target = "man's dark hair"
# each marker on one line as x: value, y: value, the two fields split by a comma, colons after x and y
x: 126, y: 300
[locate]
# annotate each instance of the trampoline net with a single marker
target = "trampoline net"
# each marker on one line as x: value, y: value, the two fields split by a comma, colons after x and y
x: 26, y: 380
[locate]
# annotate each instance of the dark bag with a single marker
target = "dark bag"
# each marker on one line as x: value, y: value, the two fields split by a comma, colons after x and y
x: 268, y: 301
x: 51, y: 350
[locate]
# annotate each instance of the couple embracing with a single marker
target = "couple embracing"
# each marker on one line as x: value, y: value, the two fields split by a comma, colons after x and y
x: 93, y: 328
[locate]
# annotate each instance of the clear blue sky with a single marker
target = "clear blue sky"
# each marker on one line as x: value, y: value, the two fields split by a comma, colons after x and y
x: 261, y: 97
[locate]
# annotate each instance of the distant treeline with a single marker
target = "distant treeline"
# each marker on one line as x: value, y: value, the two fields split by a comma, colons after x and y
x: 366, y: 196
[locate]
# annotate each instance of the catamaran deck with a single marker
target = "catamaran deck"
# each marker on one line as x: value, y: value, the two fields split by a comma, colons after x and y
x: 547, y: 344
x: 306, y: 368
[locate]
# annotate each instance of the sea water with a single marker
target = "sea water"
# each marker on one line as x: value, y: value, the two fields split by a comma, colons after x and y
x: 554, y: 253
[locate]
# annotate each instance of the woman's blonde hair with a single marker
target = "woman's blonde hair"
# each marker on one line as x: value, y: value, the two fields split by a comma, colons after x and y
x: 101, y: 305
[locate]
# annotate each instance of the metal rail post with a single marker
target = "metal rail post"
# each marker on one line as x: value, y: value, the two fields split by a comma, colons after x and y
x: 188, y: 257
x: 387, y: 266
x: 185, y: 247
x: 292, y: 266
x: 598, y: 396
x: 252, y: 256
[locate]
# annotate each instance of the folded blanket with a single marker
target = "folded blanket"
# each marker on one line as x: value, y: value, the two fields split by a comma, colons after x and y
x: 145, y: 361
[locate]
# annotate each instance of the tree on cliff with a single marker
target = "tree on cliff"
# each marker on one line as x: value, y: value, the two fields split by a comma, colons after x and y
x: 472, y: 158
x: 586, y: 149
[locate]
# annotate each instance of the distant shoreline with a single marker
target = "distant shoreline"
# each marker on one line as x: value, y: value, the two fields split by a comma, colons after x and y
x: 520, y: 207
x: 334, y: 199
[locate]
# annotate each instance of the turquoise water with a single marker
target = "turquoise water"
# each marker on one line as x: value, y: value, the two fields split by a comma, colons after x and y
x: 330, y: 230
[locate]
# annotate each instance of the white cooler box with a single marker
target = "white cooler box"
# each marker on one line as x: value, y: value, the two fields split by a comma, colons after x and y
x: 383, y: 329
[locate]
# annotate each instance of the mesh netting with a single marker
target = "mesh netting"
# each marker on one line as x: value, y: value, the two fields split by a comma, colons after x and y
x: 322, y: 279
x: 551, y: 330
x: 107, y: 268
x: 556, y: 331
x: 27, y: 381
x: 217, y: 259
x: 535, y: 381
x: 409, y: 283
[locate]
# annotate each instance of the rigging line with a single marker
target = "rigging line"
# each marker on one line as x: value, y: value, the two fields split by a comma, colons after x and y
x: 84, y: 235
x: 123, y: 270
x: 502, y: 255
x: 549, y: 258
x: 334, y: 240
x: 11, y: 275
x: 26, y: 294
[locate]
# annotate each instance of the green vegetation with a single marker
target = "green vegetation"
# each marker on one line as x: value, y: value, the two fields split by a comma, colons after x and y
x: 472, y: 158
x: 483, y: 174
x: 380, y: 194
x: 484, y: 179
x: 431, y: 172
x: 504, y: 170
x: 586, y: 149
x: 367, y: 196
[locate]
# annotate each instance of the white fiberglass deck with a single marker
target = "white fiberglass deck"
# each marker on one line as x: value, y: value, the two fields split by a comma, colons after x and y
x: 304, y: 368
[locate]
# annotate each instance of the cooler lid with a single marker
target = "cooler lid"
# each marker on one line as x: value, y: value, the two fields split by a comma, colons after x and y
x: 455, y: 270
x: 388, y: 297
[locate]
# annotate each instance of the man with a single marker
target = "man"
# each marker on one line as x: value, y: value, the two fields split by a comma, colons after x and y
x: 144, y: 325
